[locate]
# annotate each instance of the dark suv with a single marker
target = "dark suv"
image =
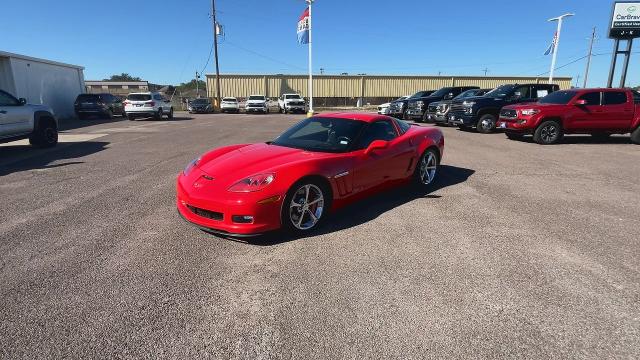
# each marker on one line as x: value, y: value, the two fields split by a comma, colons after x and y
x: 398, y: 108
x: 105, y: 105
x: 438, y: 112
x: 417, y: 107
x: 482, y: 112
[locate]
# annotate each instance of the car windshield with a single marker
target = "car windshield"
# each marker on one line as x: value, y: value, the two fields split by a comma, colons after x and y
x: 256, y: 97
x: 88, y: 98
x: 558, y: 97
x: 139, y: 97
x: 442, y: 92
x: 421, y: 94
x: 322, y: 134
x: 229, y: 99
x: 500, y: 91
x: 468, y: 93
x: 292, y: 97
x: 200, y: 101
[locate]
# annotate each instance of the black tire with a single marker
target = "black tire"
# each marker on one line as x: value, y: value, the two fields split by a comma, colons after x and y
x: 290, y: 213
x: 46, y: 134
x: 425, y: 117
x: 548, y: 133
x: 427, y: 169
x: 486, y: 124
x: 514, y: 136
x: 158, y: 115
x: 635, y: 136
x: 108, y: 114
x: 131, y: 117
x: 170, y: 116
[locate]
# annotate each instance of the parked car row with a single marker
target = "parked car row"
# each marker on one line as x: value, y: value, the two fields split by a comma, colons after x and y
x: 136, y: 105
x: 540, y: 110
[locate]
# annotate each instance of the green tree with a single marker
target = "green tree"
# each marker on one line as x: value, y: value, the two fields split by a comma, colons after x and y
x: 123, y: 77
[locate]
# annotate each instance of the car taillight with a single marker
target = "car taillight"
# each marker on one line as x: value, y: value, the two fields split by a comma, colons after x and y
x: 150, y: 103
x: 125, y: 103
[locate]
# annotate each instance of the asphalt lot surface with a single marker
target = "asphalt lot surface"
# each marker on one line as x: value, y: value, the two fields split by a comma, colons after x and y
x: 520, y: 250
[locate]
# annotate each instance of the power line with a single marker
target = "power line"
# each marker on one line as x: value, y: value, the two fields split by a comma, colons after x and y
x: 264, y: 56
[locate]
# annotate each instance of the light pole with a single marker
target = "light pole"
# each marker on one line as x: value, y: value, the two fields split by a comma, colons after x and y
x: 557, y: 43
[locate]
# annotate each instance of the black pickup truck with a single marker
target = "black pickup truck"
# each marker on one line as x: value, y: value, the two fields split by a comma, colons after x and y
x: 417, y: 107
x: 398, y: 108
x: 482, y: 112
x: 438, y: 111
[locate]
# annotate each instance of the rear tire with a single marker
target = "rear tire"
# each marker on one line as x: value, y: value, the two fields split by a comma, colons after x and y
x: 548, y: 133
x: 426, y: 171
x: 305, y: 207
x: 486, y: 124
x: 46, y: 135
x: 131, y: 117
x: 170, y: 116
x: 158, y: 115
x: 635, y: 136
x: 109, y: 114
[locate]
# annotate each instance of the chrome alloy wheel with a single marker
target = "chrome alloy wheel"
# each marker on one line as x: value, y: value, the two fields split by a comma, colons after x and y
x: 307, y: 206
x: 428, y: 168
x: 487, y: 124
x: 549, y: 133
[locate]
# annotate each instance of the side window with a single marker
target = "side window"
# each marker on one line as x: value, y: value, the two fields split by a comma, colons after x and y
x: 592, y: 98
x: 524, y: 91
x: 614, y: 98
x: 157, y: 97
x: 379, y: 130
x: 402, y: 125
x: 636, y: 96
x: 8, y: 100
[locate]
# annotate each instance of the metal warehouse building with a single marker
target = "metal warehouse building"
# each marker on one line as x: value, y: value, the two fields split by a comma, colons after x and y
x: 42, y: 81
x: 332, y: 90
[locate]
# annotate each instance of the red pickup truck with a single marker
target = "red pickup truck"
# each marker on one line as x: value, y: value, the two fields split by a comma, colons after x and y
x: 599, y: 112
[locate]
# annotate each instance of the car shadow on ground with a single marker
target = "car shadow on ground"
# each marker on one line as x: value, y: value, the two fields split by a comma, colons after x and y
x: 164, y: 118
x: 24, y: 157
x: 70, y: 124
x: 369, y: 209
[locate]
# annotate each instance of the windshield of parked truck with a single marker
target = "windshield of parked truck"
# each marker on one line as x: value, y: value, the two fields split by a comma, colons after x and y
x: 229, y: 99
x: 558, y: 97
x: 442, y: 92
x: 469, y: 93
x: 421, y: 94
x: 500, y: 91
x: 139, y: 97
x: 200, y: 101
x: 256, y: 97
x: 297, y: 97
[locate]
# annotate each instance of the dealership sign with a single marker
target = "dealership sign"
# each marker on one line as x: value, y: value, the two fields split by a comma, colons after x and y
x: 625, y: 21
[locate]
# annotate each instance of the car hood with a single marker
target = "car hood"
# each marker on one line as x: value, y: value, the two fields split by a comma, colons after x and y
x: 254, y: 159
x: 477, y: 99
x: 534, y: 105
x: 385, y: 105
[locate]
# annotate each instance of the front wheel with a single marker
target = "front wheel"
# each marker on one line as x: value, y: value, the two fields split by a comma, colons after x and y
x: 305, y: 206
x: 486, y: 124
x: 45, y: 136
x: 548, y: 133
x: 635, y: 136
x: 158, y: 115
x: 427, y: 169
x: 170, y: 116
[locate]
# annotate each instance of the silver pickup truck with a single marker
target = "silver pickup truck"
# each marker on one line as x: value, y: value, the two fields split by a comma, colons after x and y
x: 19, y: 120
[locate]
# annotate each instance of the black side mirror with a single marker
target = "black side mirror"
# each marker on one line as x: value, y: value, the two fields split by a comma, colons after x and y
x: 22, y: 101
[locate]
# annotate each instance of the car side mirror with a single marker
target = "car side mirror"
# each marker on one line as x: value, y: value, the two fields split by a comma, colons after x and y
x: 581, y: 102
x: 449, y: 96
x: 22, y: 101
x: 376, y: 145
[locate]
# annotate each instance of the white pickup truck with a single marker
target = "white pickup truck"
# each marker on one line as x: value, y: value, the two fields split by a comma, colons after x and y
x: 289, y: 103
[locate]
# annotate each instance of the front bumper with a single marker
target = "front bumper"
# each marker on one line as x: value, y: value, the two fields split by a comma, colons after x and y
x: 461, y: 119
x: 295, y: 108
x: 415, y: 113
x: 266, y: 217
x: 255, y: 109
x: 437, y: 117
x: 520, y: 126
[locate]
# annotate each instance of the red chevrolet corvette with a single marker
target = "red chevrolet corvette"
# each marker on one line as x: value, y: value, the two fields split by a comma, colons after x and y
x: 318, y: 165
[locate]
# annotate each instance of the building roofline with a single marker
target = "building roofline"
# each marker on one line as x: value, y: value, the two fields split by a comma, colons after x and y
x: 396, y: 76
x: 34, y: 59
x: 106, y: 82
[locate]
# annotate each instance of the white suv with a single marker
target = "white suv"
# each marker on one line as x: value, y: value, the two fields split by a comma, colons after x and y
x: 230, y: 104
x: 147, y: 104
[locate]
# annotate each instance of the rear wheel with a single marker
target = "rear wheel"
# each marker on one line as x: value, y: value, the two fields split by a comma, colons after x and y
x: 305, y: 206
x: 46, y: 135
x: 108, y: 114
x: 158, y: 115
x: 170, y: 116
x: 635, y: 136
x: 486, y: 124
x: 131, y: 117
x: 427, y: 169
x: 548, y: 133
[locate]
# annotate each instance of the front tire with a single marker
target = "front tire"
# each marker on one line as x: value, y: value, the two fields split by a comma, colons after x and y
x: 158, y: 115
x: 46, y: 135
x: 635, y: 136
x: 486, y: 124
x: 426, y: 171
x: 170, y: 116
x: 548, y: 133
x: 305, y: 206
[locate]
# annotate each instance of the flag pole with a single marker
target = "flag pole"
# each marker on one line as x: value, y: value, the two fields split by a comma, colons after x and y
x: 310, y: 113
x: 556, y: 45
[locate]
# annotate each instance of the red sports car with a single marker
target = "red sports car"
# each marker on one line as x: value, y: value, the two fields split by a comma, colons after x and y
x: 318, y: 165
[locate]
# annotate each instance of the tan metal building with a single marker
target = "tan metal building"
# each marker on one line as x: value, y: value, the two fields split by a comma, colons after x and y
x: 369, y: 87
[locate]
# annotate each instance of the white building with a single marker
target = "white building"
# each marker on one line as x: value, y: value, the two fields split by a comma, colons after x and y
x: 42, y: 82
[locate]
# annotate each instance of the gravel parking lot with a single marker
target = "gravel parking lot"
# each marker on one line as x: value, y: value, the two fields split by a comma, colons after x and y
x: 520, y: 250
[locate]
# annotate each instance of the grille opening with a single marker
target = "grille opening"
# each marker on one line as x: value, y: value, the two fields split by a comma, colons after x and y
x: 205, y: 213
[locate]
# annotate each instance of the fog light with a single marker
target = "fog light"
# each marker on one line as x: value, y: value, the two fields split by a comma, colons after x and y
x: 242, y: 219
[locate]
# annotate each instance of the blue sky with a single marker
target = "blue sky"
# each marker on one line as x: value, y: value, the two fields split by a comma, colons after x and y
x: 167, y: 41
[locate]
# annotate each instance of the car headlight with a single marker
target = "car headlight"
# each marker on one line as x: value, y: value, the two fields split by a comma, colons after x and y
x: 253, y: 183
x: 187, y: 170
x: 468, y: 103
x: 529, y: 112
x: 420, y: 103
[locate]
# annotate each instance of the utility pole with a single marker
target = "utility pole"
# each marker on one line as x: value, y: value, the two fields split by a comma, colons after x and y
x: 485, y: 71
x: 557, y: 43
x: 586, y: 72
x: 215, y: 46
x: 321, y: 71
x: 197, y: 85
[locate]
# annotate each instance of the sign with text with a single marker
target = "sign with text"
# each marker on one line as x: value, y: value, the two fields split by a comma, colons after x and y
x: 625, y: 21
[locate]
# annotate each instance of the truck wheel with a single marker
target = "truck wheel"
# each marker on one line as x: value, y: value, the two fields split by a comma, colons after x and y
x: 425, y: 117
x: 635, y: 136
x: 46, y: 135
x: 548, y: 133
x: 486, y: 124
x: 108, y: 114
x: 158, y: 115
x: 170, y: 116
